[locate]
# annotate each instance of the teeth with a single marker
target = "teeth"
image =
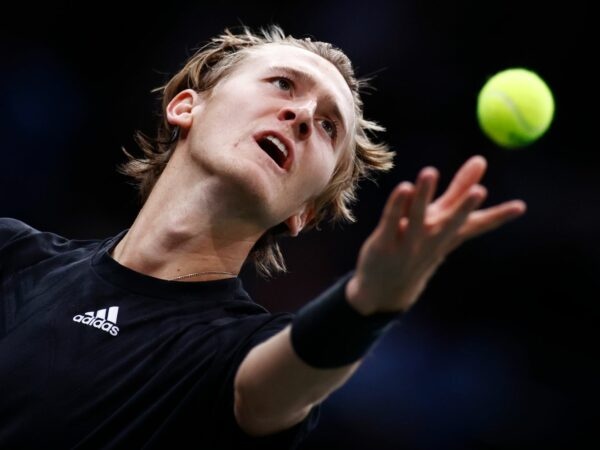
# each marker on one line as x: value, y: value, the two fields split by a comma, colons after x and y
x: 280, y: 145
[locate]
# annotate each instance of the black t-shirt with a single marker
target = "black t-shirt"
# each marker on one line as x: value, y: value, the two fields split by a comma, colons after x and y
x: 96, y: 355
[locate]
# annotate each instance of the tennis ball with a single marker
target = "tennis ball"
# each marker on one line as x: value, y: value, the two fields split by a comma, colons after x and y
x: 515, y: 107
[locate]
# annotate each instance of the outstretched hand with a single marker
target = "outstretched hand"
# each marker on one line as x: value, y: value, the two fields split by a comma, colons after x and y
x: 415, y: 234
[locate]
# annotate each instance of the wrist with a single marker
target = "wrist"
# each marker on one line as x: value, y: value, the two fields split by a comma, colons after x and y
x: 364, y: 301
x: 356, y: 298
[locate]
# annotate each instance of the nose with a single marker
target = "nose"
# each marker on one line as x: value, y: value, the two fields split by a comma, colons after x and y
x: 300, y: 116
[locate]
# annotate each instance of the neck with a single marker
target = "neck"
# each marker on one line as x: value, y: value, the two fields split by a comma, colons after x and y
x: 182, y: 230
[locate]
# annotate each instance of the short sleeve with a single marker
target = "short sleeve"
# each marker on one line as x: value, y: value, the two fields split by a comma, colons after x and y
x: 12, y: 232
x: 258, y: 329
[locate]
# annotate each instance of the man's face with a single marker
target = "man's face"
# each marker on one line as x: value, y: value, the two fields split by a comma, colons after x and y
x: 276, y: 127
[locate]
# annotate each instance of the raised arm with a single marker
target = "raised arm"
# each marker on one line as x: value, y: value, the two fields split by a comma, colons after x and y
x: 275, y: 388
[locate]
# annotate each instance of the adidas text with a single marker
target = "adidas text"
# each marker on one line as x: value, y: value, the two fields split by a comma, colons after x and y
x: 98, y: 320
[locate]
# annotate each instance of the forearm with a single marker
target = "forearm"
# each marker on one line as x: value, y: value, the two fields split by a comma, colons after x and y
x: 275, y: 389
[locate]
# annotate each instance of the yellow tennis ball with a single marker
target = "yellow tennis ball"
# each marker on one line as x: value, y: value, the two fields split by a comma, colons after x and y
x: 515, y: 107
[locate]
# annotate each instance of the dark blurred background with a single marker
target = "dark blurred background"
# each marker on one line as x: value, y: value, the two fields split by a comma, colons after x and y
x: 501, y: 351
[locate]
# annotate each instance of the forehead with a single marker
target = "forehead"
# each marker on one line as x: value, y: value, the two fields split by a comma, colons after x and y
x: 328, y: 78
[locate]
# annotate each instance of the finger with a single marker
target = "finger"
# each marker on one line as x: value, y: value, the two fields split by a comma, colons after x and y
x: 396, y: 208
x: 461, y: 212
x: 468, y: 175
x: 491, y: 218
x: 423, y: 195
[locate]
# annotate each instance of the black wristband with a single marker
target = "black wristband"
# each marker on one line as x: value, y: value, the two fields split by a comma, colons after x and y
x: 329, y: 333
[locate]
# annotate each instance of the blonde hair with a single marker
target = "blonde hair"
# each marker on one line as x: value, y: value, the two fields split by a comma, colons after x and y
x: 213, y: 62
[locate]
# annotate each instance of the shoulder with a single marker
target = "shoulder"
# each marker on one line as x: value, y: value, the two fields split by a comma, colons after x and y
x: 13, y: 229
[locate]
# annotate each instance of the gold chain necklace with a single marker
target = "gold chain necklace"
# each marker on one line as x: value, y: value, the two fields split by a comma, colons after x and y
x: 190, y: 275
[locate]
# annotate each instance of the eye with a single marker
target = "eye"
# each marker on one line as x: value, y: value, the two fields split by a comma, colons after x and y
x: 283, y: 83
x: 330, y: 128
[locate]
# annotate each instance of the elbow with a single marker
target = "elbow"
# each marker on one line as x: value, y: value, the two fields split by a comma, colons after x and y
x: 248, y: 418
x: 256, y: 419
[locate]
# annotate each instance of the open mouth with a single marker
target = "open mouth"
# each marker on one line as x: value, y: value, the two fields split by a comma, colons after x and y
x: 275, y: 149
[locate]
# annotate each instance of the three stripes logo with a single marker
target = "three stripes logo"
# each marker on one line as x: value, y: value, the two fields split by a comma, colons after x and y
x: 100, y: 320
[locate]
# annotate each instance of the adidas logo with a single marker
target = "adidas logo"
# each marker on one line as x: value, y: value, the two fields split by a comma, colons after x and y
x: 100, y: 321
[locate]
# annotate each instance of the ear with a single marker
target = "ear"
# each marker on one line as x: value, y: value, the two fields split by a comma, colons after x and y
x: 299, y: 220
x: 179, y: 109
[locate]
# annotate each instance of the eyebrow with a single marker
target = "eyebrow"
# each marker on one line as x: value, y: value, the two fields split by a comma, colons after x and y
x: 309, y: 79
